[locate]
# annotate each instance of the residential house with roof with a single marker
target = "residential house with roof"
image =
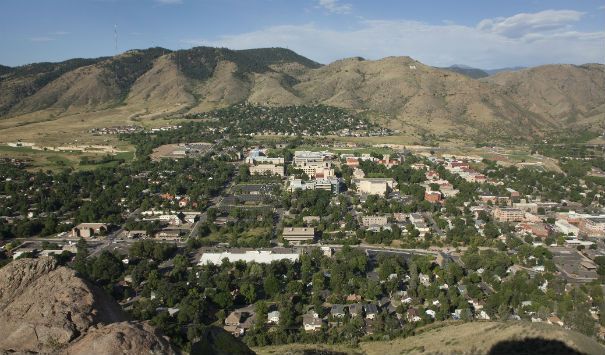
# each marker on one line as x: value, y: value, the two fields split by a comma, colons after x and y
x: 370, y: 310
x: 338, y: 311
x: 273, y: 317
x: 356, y: 309
x: 312, y: 323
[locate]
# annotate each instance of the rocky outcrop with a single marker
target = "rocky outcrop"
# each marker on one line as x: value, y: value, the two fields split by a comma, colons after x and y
x: 46, y: 308
x: 121, y: 338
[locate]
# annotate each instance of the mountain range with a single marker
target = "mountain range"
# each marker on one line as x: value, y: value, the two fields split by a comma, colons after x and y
x: 157, y: 82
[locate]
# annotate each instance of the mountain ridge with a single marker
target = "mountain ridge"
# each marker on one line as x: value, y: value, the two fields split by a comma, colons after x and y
x: 158, y: 82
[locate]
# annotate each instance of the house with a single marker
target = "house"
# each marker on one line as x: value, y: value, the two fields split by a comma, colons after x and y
x: 424, y: 279
x: 234, y: 318
x: 555, y: 320
x: 273, y: 317
x: 184, y: 202
x: 297, y: 235
x: 89, y: 230
x: 233, y: 324
x: 356, y: 309
x: 413, y: 315
x: 371, y: 310
x: 433, y: 196
x: 311, y: 323
x: 353, y: 298
x: 327, y: 251
x: 483, y: 315
x: 338, y: 311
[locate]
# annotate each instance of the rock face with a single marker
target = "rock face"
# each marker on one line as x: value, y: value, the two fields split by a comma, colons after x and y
x: 46, y: 308
x: 121, y: 338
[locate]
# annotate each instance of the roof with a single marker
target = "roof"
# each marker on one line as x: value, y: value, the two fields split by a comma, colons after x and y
x: 257, y: 256
x: 299, y: 231
x: 337, y: 309
x: 233, y: 318
x: 91, y: 225
x: 370, y: 308
x: 308, y: 319
x: 355, y: 308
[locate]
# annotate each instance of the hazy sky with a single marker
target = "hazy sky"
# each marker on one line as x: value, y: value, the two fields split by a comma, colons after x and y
x: 480, y: 33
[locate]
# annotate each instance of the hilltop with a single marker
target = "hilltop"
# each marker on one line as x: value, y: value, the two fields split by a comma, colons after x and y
x: 42, y: 99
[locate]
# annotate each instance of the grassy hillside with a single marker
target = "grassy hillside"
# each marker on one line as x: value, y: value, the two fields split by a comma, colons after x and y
x: 147, y: 85
x: 495, y: 338
x: 483, y: 337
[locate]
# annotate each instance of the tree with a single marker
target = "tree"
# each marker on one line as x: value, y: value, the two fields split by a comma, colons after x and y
x: 106, y: 267
x: 80, y: 261
x: 271, y: 286
x: 261, y: 309
x: 248, y: 290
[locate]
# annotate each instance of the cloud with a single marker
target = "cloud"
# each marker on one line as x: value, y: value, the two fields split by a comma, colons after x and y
x: 523, y: 24
x: 60, y: 33
x: 169, y: 2
x: 435, y: 44
x: 334, y: 6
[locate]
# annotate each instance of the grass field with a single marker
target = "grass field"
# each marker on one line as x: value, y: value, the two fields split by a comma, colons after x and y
x: 52, y: 160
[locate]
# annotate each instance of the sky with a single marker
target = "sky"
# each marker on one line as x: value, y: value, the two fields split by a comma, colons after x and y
x: 485, y: 34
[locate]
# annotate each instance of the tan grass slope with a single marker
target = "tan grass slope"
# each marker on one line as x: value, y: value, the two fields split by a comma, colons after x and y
x: 157, y: 82
x: 490, y: 338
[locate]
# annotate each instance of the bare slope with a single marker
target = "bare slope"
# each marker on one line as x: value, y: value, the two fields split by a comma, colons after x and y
x: 558, y: 93
x: 418, y: 95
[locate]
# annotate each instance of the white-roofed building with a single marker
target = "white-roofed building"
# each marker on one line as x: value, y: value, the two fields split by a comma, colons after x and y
x: 248, y: 256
